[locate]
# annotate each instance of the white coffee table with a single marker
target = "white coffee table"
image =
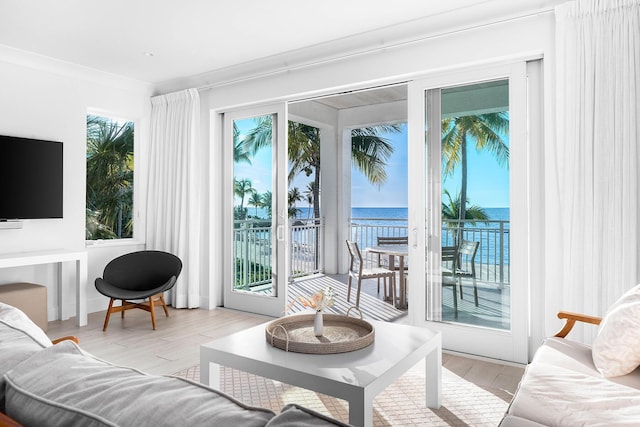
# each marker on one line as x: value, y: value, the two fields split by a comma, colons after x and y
x: 356, y: 376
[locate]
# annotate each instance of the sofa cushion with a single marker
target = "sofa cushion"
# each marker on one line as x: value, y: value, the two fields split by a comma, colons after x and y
x: 67, y: 386
x: 562, y: 387
x: 293, y: 415
x: 616, y: 349
x: 19, y: 339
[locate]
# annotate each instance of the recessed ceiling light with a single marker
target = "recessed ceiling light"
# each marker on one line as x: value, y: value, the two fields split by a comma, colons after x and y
x: 149, y: 54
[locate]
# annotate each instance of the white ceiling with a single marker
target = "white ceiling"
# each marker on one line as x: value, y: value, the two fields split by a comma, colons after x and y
x: 191, y: 37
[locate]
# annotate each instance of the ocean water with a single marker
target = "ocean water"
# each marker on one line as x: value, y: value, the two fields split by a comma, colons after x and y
x: 379, y: 215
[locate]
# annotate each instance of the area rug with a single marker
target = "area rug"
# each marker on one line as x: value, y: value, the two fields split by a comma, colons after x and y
x: 371, y: 307
x: 401, y: 404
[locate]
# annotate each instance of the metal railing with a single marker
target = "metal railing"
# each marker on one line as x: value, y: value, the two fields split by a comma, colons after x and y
x: 492, y: 258
x: 253, y: 246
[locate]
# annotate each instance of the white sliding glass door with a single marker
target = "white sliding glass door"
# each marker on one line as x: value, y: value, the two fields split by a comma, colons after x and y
x: 468, y: 159
x: 255, y: 240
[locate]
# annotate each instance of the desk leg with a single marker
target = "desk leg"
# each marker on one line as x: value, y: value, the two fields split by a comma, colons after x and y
x: 81, y: 292
x: 361, y: 410
x: 433, y: 380
x: 62, y: 315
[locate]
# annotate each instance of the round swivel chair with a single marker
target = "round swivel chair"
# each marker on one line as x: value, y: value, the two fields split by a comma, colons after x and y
x: 139, y: 276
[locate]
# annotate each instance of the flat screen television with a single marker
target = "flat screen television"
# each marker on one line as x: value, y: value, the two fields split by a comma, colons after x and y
x: 30, y: 178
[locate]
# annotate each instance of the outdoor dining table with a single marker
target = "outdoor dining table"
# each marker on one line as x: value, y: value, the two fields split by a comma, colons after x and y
x: 393, y: 251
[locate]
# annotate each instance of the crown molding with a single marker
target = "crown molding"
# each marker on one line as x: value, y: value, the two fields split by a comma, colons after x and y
x: 47, y: 64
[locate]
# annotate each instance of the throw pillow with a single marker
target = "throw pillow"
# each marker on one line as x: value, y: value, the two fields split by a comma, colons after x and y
x: 616, y: 349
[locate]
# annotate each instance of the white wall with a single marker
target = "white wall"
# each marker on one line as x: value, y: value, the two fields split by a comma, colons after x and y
x: 46, y: 99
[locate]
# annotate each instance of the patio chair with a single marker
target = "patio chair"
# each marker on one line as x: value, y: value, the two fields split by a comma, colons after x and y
x: 138, y: 276
x: 358, y: 270
x: 385, y: 241
x: 466, y: 256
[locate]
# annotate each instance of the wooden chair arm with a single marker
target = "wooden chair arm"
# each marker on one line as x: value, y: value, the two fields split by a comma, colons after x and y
x: 571, y: 319
x: 7, y: 421
x: 68, y: 337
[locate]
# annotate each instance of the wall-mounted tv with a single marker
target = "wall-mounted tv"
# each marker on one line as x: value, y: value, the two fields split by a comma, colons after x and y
x: 30, y: 178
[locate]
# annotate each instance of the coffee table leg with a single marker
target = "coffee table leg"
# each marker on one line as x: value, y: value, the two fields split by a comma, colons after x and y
x: 433, y: 380
x: 361, y: 410
x: 210, y: 374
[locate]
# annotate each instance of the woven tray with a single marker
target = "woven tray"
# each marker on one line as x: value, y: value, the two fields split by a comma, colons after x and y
x: 340, y: 334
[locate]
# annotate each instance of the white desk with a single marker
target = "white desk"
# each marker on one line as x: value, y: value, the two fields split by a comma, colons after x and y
x: 21, y: 259
x: 356, y: 376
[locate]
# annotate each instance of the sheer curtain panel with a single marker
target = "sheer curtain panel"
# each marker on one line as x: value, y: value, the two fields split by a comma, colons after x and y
x: 173, y: 202
x: 593, y: 247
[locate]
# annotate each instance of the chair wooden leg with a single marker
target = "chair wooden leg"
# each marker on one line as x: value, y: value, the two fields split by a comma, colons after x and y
x: 123, y: 310
x: 392, y: 281
x: 106, y: 319
x: 455, y: 302
x: 349, y: 290
x: 164, y: 305
x: 153, y: 313
x: 475, y: 291
x: 358, y: 292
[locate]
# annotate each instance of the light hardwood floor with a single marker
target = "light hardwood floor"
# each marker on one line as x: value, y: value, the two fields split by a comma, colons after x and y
x: 175, y: 344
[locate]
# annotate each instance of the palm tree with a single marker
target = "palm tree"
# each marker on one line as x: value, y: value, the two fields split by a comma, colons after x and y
x: 369, y: 151
x: 255, y: 200
x: 293, y: 196
x: 239, y: 154
x: 109, y: 177
x: 458, y: 132
x: 451, y: 210
x: 267, y: 198
x: 308, y: 194
x: 241, y: 188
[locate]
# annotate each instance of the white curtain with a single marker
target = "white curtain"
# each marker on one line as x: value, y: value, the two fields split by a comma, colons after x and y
x: 173, y: 202
x: 595, y: 250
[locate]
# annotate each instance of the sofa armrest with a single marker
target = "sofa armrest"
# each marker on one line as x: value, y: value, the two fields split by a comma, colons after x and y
x: 571, y: 319
x: 7, y: 421
x: 67, y: 338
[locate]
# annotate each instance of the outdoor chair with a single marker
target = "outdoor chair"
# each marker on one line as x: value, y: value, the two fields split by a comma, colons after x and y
x: 139, y: 276
x: 464, y: 266
x: 385, y: 241
x: 358, y: 270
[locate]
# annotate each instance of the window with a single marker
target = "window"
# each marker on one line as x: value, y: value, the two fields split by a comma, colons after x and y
x: 109, y: 210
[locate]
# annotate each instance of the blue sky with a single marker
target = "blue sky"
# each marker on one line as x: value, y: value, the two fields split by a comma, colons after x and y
x: 488, y: 183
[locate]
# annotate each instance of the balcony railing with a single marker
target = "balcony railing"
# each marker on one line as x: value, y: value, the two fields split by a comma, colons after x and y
x: 492, y: 259
x: 253, y: 247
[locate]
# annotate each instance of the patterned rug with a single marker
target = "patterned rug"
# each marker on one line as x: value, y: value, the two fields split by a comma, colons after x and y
x: 401, y: 404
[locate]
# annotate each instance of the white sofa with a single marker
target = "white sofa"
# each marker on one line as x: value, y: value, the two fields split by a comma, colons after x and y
x: 563, y: 387
x: 42, y: 384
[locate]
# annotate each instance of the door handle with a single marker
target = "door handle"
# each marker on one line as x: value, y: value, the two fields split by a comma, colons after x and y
x: 280, y: 233
x: 415, y: 237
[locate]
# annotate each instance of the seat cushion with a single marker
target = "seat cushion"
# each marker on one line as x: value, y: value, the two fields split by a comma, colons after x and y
x: 20, y: 338
x: 66, y: 386
x: 562, y: 387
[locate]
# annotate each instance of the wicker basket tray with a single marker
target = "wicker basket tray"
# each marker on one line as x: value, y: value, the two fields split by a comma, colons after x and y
x: 340, y: 334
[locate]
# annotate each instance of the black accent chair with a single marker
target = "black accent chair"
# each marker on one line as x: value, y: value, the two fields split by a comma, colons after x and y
x: 138, y: 276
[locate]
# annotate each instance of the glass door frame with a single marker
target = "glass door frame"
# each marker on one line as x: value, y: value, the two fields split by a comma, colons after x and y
x: 275, y: 304
x: 425, y: 213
